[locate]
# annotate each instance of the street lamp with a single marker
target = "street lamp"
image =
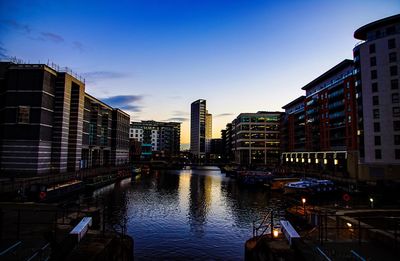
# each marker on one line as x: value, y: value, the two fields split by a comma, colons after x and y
x: 275, y: 233
x: 303, y: 200
x: 372, y: 202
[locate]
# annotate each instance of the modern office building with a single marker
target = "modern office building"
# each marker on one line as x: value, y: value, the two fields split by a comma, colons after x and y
x: 44, y: 120
x: 321, y: 127
x: 198, y: 128
x: 160, y: 137
x: 119, y: 137
x: 377, y: 62
x: 256, y: 138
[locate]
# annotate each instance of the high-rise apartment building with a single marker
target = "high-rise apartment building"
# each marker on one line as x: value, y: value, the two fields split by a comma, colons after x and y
x: 198, y: 128
x: 208, y: 131
x: 377, y: 62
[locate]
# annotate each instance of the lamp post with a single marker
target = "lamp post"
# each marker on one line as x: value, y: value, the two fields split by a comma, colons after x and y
x: 372, y: 202
x: 303, y: 200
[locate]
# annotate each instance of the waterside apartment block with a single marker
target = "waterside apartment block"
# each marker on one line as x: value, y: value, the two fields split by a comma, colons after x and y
x: 44, y: 121
x: 321, y: 127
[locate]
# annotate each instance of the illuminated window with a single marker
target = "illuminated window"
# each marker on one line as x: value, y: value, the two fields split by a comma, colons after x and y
x: 23, y: 114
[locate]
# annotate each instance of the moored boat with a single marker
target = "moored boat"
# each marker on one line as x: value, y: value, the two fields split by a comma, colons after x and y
x: 309, y: 186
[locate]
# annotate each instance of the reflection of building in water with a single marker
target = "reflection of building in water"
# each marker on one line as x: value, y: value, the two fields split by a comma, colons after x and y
x: 184, y: 189
x: 199, y: 202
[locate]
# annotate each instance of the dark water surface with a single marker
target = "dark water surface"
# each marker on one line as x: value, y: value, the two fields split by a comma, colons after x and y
x: 187, y: 214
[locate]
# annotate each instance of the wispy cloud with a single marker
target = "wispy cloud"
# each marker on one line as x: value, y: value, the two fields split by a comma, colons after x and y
x: 180, y: 113
x: 96, y: 75
x: 37, y: 35
x: 178, y: 119
x: 24, y: 28
x: 52, y: 37
x: 222, y: 115
x: 123, y: 99
x: 132, y: 108
x: 78, y: 46
x: 125, y: 102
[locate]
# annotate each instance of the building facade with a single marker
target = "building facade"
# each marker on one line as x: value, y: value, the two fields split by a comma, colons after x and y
x: 256, y: 138
x: 208, y: 131
x: 377, y: 64
x: 156, y: 137
x: 43, y: 119
x: 321, y: 127
x: 198, y: 128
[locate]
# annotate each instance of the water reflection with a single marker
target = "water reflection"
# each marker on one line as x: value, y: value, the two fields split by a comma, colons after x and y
x: 188, y: 214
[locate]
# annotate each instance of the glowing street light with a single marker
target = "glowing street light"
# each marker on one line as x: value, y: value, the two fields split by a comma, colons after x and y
x: 372, y: 202
x: 275, y: 233
x: 303, y: 200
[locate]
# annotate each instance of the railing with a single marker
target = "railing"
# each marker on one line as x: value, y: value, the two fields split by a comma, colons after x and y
x: 266, y: 222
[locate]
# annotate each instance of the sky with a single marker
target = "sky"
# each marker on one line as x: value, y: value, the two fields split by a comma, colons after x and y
x: 153, y: 58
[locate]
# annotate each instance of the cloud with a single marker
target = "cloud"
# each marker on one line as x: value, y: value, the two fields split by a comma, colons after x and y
x: 125, y: 102
x: 222, y: 115
x: 52, y: 37
x: 180, y: 113
x: 95, y: 75
x: 132, y: 108
x: 24, y: 28
x: 123, y: 99
x: 178, y: 119
x: 78, y: 46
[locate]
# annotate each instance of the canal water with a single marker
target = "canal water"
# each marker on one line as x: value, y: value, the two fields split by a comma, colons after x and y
x: 186, y: 214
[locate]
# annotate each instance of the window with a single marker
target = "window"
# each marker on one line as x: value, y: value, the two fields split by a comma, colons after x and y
x: 396, y: 139
x: 394, y: 84
x: 374, y: 87
x: 392, y: 57
x: 377, y: 127
x: 349, y: 119
x: 395, y: 98
x: 374, y: 74
x: 393, y: 70
x: 372, y: 48
x: 396, y: 125
x: 375, y: 112
x: 378, y: 154
x: 372, y: 61
x: 397, y: 154
x: 391, y: 44
x: 375, y: 100
x: 377, y: 140
x: 23, y: 114
x: 396, y: 111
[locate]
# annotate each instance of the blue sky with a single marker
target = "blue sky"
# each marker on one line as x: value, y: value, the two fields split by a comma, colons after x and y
x: 153, y: 58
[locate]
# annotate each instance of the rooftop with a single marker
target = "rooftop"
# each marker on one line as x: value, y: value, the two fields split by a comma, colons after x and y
x: 361, y: 33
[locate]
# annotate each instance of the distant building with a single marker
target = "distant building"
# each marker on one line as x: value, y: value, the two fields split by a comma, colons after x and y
x: 227, y: 144
x: 256, y: 138
x: 377, y: 62
x: 208, y: 131
x: 49, y: 124
x: 160, y: 137
x: 198, y: 128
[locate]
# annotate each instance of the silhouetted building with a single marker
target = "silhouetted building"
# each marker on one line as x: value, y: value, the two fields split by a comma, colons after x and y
x: 43, y: 126
x: 198, y: 128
